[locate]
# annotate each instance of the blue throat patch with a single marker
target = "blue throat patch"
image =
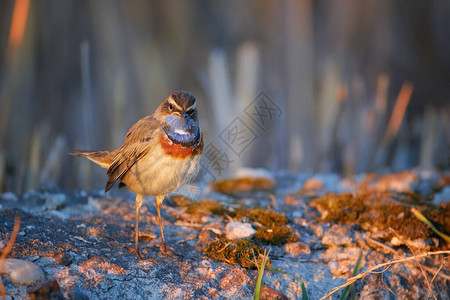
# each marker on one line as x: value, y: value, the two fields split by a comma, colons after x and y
x: 186, y: 140
x: 177, y: 124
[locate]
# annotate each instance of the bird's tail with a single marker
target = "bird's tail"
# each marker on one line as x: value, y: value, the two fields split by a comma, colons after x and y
x: 102, y: 158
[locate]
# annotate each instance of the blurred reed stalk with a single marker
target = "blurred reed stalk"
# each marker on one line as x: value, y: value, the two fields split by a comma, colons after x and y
x: 87, y: 109
x: 221, y: 94
x: 246, y: 89
x: 230, y: 100
x: 338, y: 117
x: 9, y: 83
x: 377, y: 120
x: 298, y: 60
x: 394, y: 124
x: 429, y: 138
x: 2, y: 171
x: 51, y: 170
x: 331, y: 97
x: 39, y: 135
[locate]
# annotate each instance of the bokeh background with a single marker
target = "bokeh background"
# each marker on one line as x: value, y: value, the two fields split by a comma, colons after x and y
x: 361, y: 86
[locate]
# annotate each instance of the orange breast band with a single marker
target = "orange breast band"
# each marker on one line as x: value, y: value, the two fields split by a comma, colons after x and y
x: 178, y: 151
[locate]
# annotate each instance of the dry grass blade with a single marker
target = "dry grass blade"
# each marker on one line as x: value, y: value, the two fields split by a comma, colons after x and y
x: 384, y: 283
x: 422, y: 218
x: 7, y: 250
x: 373, y: 243
x: 391, y: 262
x: 437, y: 271
x: 416, y: 262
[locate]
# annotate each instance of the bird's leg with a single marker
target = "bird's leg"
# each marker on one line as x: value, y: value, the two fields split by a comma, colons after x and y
x: 137, y: 205
x: 164, y: 250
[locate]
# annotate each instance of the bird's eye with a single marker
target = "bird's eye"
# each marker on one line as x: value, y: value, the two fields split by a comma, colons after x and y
x: 170, y: 106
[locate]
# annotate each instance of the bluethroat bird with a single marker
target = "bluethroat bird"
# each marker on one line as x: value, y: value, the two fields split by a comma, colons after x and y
x: 160, y: 153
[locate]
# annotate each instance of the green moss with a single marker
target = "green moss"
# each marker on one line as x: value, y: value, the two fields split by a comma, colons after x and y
x: 339, y: 208
x: 382, y: 210
x: 273, y: 230
x: 262, y: 216
x: 206, y: 207
x: 236, y: 252
x: 439, y: 216
x: 181, y: 200
x: 243, y: 184
x: 275, y: 235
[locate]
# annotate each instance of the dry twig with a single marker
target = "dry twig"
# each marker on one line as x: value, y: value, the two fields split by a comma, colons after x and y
x: 389, y: 263
x: 7, y: 250
x: 436, y: 272
x: 373, y: 243
x: 415, y: 261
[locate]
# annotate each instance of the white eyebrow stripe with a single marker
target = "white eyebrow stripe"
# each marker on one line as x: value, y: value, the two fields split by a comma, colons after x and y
x: 191, y: 107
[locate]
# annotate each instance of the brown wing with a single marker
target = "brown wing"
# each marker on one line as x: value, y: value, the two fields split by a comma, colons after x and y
x: 137, y: 144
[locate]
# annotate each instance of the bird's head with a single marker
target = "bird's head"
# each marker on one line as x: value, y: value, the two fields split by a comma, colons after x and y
x: 179, y: 116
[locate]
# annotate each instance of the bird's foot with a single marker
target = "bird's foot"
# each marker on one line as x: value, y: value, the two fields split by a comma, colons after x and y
x: 165, y: 251
x: 139, y: 255
x: 137, y: 252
